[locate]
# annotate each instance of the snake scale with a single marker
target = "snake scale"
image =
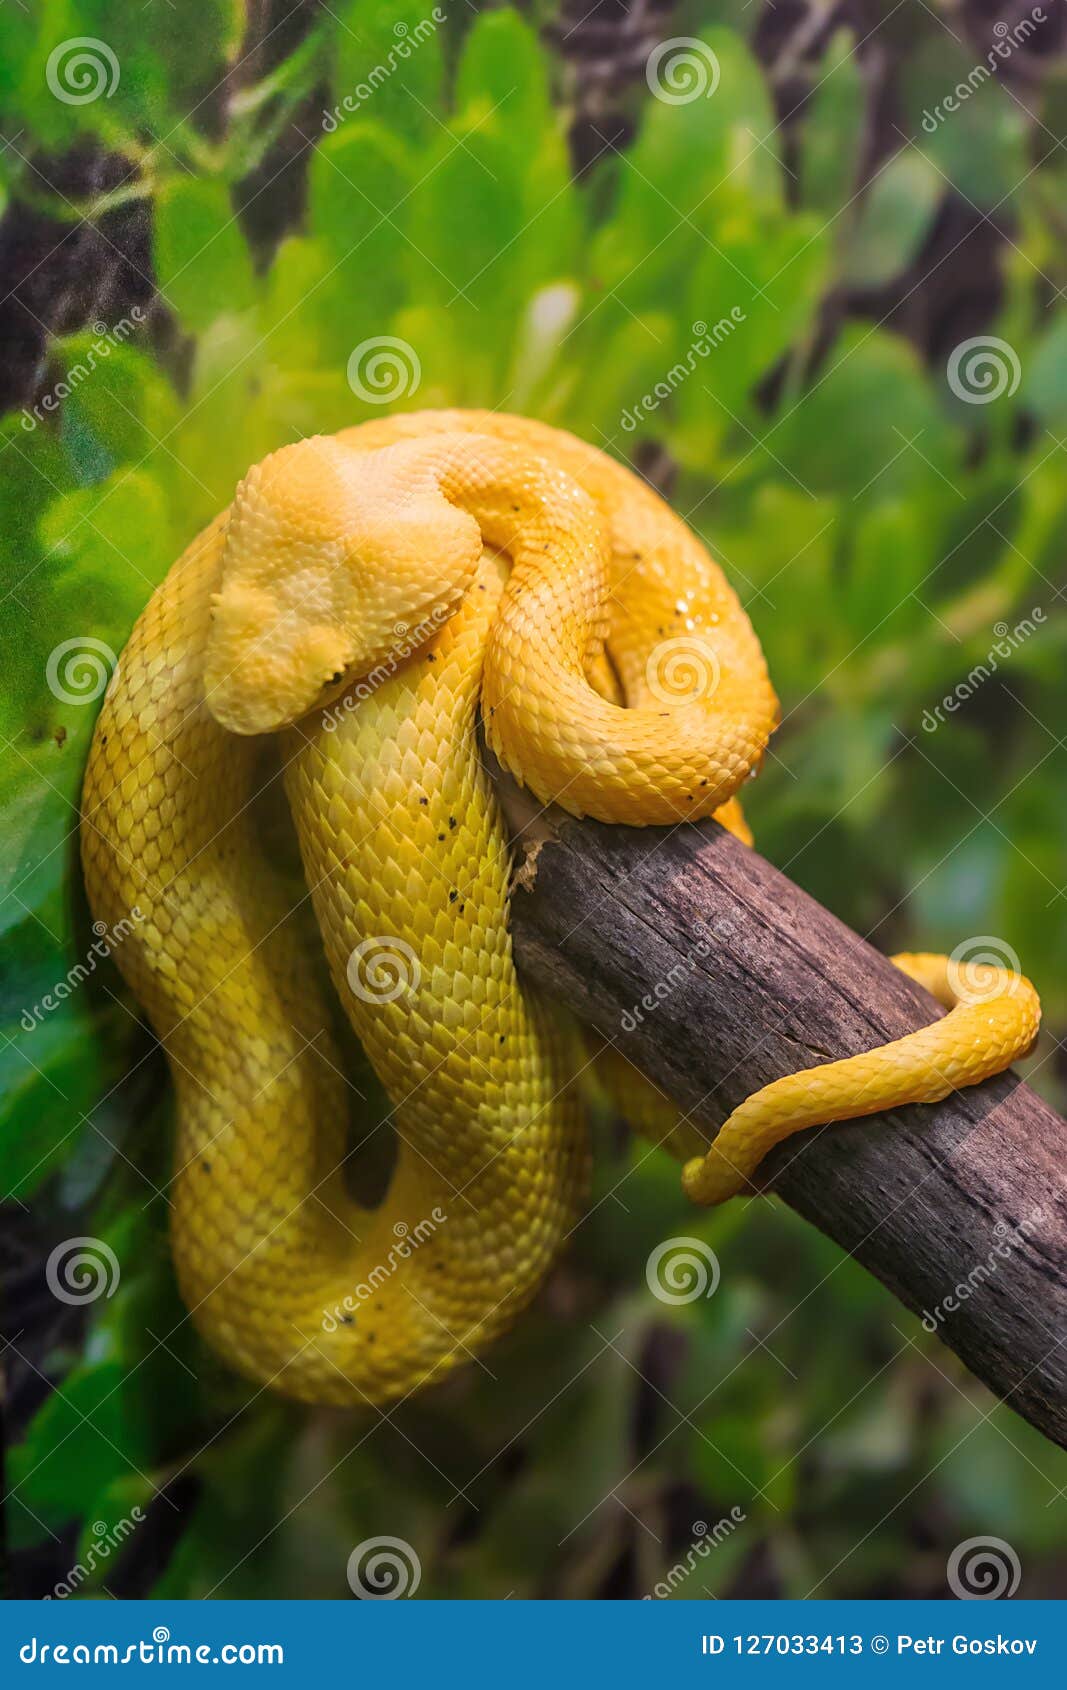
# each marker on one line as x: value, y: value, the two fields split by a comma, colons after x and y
x: 367, y: 601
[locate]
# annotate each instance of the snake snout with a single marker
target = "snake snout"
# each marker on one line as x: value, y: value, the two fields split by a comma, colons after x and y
x: 280, y: 622
x: 268, y: 665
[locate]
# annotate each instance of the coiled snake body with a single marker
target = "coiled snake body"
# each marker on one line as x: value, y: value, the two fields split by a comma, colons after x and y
x: 372, y: 595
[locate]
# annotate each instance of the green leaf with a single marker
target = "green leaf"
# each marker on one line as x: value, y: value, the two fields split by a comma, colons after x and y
x: 389, y: 67
x: 967, y: 126
x: 16, y: 53
x: 771, y: 270
x: 202, y: 261
x: 116, y: 406
x: 894, y: 216
x: 503, y: 71
x: 1045, y: 378
x: 889, y: 558
x: 81, y: 1441
x: 466, y: 262
x: 869, y: 423
x: 359, y: 181
x: 195, y: 59
x: 693, y: 166
x: 778, y: 549
x: 68, y: 1035
x: 833, y: 126
x: 502, y: 90
x: 634, y: 355
x: 101, y: 69
x: 72, y: 80
x: 109, y: 1534
x: 111, y: 545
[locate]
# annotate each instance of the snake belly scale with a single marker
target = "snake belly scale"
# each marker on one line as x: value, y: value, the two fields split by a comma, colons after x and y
x: 366, y: 601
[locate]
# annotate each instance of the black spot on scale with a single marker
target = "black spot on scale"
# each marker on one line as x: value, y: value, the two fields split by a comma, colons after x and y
x: 348, y: 1320
x: 451, y: 821
x: 424, y: 800
x: 206, y: 1165
x: 453, y: 895
x: 440, y: 836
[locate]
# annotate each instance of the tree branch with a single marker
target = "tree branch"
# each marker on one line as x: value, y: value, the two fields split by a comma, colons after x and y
x: 959, y: 1207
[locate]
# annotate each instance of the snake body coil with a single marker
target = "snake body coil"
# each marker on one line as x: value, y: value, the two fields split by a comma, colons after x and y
x: 372, y: 595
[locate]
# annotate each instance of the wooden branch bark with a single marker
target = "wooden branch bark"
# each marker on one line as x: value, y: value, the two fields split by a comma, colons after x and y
x: 959, y: 1207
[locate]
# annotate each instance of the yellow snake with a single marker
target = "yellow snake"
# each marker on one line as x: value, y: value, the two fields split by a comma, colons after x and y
x: 366, y: 600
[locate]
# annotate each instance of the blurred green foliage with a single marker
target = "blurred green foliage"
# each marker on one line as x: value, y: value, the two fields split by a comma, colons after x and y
x: 879, y: 530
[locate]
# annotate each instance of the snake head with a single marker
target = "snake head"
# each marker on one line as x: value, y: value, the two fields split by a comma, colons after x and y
x: 281, y: 615
x: 327, y: 550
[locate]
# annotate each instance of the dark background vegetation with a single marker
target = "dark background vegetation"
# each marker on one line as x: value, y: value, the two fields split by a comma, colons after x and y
x: 515, y: 204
